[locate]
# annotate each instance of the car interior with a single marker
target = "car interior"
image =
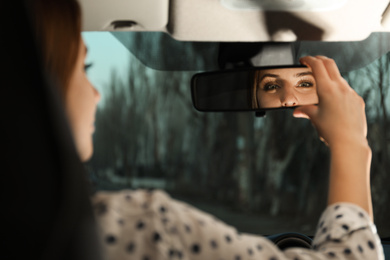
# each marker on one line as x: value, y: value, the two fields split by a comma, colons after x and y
x: 175, y: 115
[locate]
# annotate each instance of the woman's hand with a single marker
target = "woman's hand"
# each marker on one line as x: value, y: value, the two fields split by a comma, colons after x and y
x: 339, y: 116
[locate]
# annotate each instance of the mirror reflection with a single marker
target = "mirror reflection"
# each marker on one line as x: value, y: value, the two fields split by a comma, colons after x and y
x: 287, y: 87
x: 252, y: 89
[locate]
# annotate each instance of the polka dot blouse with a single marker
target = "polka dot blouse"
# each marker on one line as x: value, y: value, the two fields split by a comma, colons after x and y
x: 148, y: 225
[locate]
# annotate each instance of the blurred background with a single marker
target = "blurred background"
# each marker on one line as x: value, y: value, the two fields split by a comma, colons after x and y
x: 262, y: 175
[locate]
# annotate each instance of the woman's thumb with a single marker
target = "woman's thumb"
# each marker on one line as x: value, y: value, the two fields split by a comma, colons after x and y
x: 307, y: 112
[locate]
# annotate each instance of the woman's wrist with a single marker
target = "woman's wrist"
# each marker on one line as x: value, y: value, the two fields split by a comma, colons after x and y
x: 353, y: 154
x: 350, y: 173
x: 350, y: 142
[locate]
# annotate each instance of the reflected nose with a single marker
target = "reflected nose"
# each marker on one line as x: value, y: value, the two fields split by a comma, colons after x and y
x: 289, y: 104
x: 289, y: 99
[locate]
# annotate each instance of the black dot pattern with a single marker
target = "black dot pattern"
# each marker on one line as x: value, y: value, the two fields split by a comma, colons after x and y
x: 140, y: 225
x: 187, y: 228
x: 156, y: 237
x: 331, y: 254
x: 110, y: 239
x: 213, y: 244
x: 195, y: 248
x: 346, y: 227
x: 179, y: 254
x: 130, y: 247
x: 371, y: 245
x: 100, y: 208
x: 228, y: 239
x: 347, y: 251
x: 175, y: 231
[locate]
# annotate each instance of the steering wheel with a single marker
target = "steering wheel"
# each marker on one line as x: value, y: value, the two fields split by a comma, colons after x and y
x: 290, y: 239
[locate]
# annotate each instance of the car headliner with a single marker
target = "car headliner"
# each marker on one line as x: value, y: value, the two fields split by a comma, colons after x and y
x: 205, y: 20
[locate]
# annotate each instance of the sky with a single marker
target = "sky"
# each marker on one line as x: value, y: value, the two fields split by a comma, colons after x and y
x: 107, y: 55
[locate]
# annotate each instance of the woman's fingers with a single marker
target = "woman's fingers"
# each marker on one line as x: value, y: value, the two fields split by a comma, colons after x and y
x: 326, y: 73
x: 331, y: 67
x: 323, y: 66
x: 307, y: 111
x: 320, y: 73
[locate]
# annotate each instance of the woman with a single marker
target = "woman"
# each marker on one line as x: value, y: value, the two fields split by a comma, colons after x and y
x: 283, y: 87
x: 63, y: 53
x: 150, y: 225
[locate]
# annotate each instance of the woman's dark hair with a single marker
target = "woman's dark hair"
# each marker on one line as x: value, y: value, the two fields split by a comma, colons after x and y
x: 57, y: 27
x: 255, y: 85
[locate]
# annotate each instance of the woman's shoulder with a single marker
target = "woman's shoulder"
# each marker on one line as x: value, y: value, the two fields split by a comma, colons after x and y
x: 138, y: 223
x: 133, y: 195
x: 136, y: 200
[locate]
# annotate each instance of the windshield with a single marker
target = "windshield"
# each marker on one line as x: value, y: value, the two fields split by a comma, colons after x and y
x: 262, y: 175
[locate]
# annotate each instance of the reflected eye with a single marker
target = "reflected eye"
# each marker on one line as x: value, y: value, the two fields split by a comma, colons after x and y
x: 270, y: 87
x: 87, y: 67
x: 305, y: 84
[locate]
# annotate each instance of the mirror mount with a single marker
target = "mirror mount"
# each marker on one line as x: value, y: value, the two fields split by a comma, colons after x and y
x: 255, y: 54
x: 260, y: 114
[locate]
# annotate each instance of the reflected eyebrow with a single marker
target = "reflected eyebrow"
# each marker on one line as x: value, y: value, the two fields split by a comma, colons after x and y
x: 303, y: 74
x: 269, y: 75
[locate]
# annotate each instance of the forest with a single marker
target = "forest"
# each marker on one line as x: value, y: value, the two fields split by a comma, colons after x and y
x: 150, y: 136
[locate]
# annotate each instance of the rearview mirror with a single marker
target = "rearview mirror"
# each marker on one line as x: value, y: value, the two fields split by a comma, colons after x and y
x: 254, y: 89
